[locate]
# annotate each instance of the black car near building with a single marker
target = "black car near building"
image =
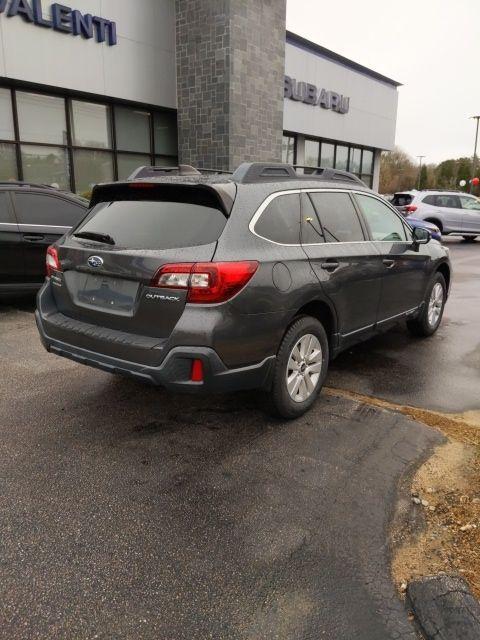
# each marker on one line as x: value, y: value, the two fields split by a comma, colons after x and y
x: 32, y: 217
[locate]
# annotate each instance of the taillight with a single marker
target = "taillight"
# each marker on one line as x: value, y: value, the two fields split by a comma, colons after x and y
x: 410, y: 208
x: 52, y: 261
x: 206, y: 282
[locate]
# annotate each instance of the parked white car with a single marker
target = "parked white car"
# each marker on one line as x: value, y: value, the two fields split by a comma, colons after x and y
x: 453, y: 212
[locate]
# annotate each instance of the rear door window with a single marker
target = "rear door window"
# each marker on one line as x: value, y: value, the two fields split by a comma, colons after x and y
x: 152, y: 224
x: 280, y: 220
x: 44, y: 210
x: 338, y: 218
x: 385, y: 225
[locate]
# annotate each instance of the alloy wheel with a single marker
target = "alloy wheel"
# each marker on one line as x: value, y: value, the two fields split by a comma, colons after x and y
x: 304, y: 367
x: 435, y: 304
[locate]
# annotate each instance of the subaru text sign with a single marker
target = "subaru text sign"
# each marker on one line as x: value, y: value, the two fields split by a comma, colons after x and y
x: 63, y: 19
x: 311, y: 94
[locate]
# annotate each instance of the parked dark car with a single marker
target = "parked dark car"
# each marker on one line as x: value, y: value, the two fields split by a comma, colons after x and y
x: 32, y: 217
x: 254, y: 280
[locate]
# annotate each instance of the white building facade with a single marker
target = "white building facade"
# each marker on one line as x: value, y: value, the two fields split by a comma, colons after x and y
x: 89, y: 93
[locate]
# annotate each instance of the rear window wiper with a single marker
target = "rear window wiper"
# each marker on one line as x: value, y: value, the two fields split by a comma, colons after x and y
x: 92, y: 235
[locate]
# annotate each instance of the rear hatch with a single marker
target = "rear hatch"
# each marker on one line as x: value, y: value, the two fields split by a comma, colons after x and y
x: 131, y: 230
x: 402, y: 202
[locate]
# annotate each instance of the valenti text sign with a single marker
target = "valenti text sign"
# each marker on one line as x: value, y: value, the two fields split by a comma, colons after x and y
x: 63, y: 19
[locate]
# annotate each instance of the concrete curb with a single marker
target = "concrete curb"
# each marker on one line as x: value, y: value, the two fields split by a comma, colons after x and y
x: 444, y: 608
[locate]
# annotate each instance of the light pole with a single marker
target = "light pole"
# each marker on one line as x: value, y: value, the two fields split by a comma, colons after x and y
x: 474, y: 164
x: 420, y: 158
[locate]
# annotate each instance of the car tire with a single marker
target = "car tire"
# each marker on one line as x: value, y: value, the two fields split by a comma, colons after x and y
x: 304, y: 351
x: 469, y: 238
x: 432, y: 311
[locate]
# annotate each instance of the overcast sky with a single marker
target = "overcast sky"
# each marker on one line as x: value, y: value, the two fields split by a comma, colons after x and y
x: 431, y: 46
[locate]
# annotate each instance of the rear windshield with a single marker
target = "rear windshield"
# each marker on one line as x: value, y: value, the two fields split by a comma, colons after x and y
x: 153, y: 224
x: 402, y: 199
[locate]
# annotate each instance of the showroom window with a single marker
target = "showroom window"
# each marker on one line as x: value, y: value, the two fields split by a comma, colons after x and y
x: 73, y: 144
x: 289, y: 148
x: 326, y: 153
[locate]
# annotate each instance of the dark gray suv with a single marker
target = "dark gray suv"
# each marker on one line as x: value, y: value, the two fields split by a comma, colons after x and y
x: 201, y: 282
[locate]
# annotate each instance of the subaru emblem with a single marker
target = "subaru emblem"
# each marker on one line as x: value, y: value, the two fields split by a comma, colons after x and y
x: 95, y: 262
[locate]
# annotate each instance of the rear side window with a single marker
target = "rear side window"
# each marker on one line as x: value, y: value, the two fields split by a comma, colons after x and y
x: 429, y: 200
x: 152, y: 224
x: 385, y: 225
x: 402, y: 199
x: 39, y: 209
x: 338, y: 217
x: 450, y: 202
x: 280, y: 221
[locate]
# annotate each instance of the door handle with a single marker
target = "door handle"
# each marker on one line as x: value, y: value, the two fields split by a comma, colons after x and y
x: 330, y: 265
x: 34, y: 237
x: 388, y: 263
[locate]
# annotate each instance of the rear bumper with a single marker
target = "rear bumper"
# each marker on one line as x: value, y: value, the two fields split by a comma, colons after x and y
x: 174, y: 372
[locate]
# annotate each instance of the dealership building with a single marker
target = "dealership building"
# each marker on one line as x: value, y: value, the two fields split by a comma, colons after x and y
x: 92, y: 91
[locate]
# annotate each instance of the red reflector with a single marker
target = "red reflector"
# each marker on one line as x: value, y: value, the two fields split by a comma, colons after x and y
x: 197, y: 371
x: 411, y: 208
x: 52, y: 261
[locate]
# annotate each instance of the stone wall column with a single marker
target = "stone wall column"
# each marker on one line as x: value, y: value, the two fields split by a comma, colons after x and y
x: 230, y: 61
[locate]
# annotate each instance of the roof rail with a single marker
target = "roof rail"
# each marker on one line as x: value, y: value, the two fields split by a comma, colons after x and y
x: 327, y: 173
x: 250, y: 172
x: 21, y: 183
x: 180, y: 170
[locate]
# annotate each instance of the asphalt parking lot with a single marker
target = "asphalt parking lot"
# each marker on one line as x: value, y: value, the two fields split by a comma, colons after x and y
x: 126, y: 512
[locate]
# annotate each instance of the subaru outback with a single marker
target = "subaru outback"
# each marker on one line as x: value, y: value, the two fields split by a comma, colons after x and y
x: 212, y: 283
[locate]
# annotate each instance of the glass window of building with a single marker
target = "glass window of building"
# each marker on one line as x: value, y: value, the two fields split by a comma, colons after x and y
x: 165, y: 133
x: 132, y: 127
x: 327, y: 159
x: 91, y: 167
x: 8, y: 162
x: 45, y: 165
x: 312, y: 153
x: 91, y: 125
x: 341, y: 158
x: 41, y: 118
x: 128, y: 162
x: 6, y: 116
x: 367, y: 161
x: 355, y: 160
x: 166, y: 161
x: 288, y: 149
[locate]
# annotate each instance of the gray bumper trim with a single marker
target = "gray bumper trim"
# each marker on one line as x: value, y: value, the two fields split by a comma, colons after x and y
x: 174, y: 372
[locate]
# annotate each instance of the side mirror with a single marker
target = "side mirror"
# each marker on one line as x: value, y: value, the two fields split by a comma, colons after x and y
x: 421, y: 235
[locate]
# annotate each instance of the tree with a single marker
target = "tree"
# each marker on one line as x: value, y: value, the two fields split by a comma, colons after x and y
x: 423, y: 180
x: 397, y: 171
x: 446, y: 174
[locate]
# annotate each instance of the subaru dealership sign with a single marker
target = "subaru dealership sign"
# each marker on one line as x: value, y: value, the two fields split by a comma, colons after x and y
x: 310, y: 94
